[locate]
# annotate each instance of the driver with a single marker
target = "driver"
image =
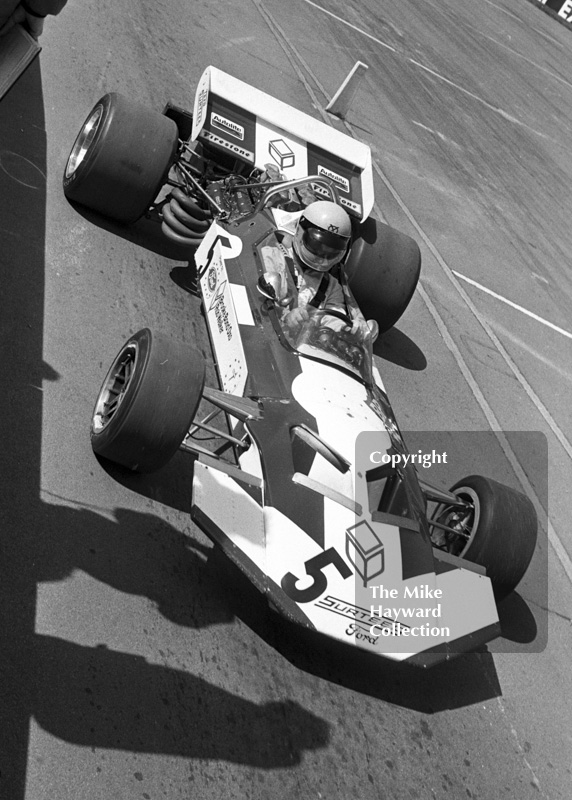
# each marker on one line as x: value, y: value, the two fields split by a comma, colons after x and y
x: 321, y: 242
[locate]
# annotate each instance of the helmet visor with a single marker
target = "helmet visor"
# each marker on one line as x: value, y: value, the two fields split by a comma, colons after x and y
x: 318, y: 248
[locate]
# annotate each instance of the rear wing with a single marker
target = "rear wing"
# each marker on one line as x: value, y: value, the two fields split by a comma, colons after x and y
x: 259, y: 129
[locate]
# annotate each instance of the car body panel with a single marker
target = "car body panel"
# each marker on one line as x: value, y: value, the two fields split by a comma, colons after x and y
x: 311, y: 502
x: 260, y: 129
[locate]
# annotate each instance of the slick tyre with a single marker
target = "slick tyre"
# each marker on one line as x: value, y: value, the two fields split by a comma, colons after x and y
x: 383, y: 270
x: 499, y: 527
x: 147, y: 402
x: 120, y: 158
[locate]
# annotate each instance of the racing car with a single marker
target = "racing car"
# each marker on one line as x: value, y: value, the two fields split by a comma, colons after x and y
x: 309, y: 489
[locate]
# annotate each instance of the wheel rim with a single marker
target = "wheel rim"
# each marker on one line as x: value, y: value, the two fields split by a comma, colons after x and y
x: 115, y: 387
x: 84, y: 141
x: 464, y: 520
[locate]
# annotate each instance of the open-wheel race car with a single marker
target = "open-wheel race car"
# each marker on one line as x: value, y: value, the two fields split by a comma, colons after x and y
x: 309, y: 490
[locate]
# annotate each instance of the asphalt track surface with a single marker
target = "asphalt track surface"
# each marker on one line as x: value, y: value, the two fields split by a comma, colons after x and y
x: 135, y: 662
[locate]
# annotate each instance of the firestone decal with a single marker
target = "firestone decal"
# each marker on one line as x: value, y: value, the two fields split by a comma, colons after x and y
x: 212, y: 137
x: 350, y: 204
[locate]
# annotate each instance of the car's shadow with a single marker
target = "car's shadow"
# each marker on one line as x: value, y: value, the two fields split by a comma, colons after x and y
x: 146, y: 233
x: 463, y: 681
x: 397, y: 348
x: 206, y: 571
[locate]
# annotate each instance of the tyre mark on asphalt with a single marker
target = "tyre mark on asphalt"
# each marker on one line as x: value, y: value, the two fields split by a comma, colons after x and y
x: 430, y: 71
x: 296, y: 60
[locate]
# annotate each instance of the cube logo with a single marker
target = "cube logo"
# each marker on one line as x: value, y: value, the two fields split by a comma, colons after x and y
x: 365, y: 551
x: 281, y: 153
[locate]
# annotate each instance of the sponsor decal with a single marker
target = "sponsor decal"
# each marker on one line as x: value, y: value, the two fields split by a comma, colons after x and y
x: 355, y: 207
x: 360, y: 634
x: 201, y: 104
x: 240, y: 151
x: 281, y: 153
x: 360, y: 617
x: 344, y: 201
x: 333, y: 228
x: 224, y: 124
x: 211, y: 279
x: 221, y: 314
x: 341, y: 182
x: 365, y: 551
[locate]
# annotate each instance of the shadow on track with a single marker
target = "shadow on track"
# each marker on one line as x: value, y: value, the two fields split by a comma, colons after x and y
x: 93, y: 695
x: 464, y: 681
x: 397, y: 348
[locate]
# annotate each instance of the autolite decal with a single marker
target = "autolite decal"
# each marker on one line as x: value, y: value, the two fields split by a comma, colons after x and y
x: 224, y: 124
x: 341, y: 182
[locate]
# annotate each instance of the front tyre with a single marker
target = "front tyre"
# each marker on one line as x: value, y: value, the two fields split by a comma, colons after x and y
x: 383, y: 269
x: 496, y: 529
x: 120, y: 158
x: 147, y: 402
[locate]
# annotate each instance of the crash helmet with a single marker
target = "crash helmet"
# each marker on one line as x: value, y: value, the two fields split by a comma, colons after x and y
x: 323, y: 235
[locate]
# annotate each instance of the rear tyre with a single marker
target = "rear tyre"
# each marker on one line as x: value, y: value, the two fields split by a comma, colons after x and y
x: 383, y: 270
x: 120, y: 158
x: 497, y: 530
x: 147, y: 402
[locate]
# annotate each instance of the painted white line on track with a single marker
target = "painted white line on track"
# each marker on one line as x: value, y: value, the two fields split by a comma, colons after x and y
x: 566, y: 375
x: 474, y: 96
x: 493, y: 421
x: 553, y: 537
x: 432, y: 72
x: 514, y: 52
x: 353, y: 27
x: 512, y: 305
x: 501, y: 349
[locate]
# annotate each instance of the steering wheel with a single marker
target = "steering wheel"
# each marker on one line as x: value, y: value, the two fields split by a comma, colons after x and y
x: 333, y: 312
